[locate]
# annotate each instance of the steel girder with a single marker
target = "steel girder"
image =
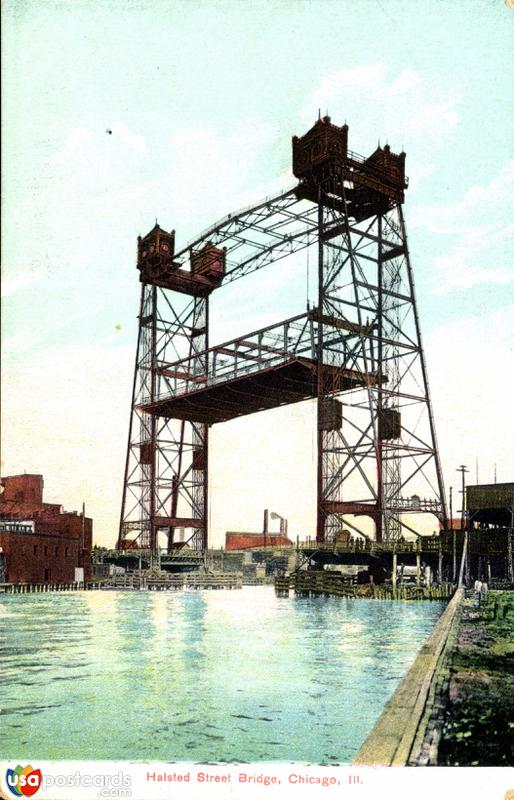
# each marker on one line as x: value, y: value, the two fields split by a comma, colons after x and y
x: 365, y: 279
x: 167, y: 459
x: 365, y: 323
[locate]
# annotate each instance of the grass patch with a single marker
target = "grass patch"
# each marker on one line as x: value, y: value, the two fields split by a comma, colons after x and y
x: 478, y: 729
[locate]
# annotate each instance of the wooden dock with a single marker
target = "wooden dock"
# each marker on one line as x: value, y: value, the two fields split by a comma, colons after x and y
x: 31, y: 588
x: 324, y: 582
x: 397, y: 736
x: 173, y: 582
x: 137, y: 582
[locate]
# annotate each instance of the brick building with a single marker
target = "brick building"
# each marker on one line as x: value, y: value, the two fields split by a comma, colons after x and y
x: 244, y: 541
x: 40, y: 542
x: 455, y: 524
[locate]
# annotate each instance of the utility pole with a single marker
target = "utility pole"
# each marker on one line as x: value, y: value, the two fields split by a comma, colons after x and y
x: 454, y: 546
x: 463, y: 469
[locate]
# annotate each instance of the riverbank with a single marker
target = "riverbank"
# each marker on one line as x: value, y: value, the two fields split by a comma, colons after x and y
x: 455, y: 706
x: 472, y: 722
x: 394, y: 740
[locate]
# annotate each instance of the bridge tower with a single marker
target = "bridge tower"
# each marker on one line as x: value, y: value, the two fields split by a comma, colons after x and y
x: 166, y: 469
x: 357, y: 352
x: 368, y: 320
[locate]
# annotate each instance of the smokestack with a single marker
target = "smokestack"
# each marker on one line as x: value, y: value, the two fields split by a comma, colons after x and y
x: 265, y: 528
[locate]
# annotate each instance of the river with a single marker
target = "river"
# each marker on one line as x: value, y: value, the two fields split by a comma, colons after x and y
x: 199, y: 676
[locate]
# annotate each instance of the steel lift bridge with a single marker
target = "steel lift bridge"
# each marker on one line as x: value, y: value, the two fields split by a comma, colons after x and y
x: 358, y: 352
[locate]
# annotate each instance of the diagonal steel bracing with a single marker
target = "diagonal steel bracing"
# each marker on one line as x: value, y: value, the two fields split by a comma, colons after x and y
x: 360, y: 345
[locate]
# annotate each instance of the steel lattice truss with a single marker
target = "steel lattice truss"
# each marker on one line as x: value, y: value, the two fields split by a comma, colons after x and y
x: 259, y: 235
x: 366, y: 281
x: 163, y: 486
x: 361, y: 345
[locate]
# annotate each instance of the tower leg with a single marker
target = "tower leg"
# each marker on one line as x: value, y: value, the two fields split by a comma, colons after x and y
x: 383, y: 463
x: 166, y: 472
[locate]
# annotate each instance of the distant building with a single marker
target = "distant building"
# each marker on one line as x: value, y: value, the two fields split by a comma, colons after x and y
x: 491, y: 504
x: 40, y: 542
x: 455, y: 524
x: 487, y: 504
x: 236, y: 540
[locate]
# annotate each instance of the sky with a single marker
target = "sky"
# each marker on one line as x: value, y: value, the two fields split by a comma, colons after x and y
x: 117, y: 113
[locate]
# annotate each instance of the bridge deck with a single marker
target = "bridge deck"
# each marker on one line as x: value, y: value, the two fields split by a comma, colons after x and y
x: 290, y: 381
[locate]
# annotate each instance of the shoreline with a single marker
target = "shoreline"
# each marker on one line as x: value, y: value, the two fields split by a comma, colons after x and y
x: 450, y: 709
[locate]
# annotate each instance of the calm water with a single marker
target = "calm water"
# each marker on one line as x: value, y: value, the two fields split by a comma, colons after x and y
x: 207, y: 676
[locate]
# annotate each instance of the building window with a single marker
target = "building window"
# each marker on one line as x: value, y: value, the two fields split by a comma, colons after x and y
x: 66, y: 552
x: 35, y: 549
x: 45, y: 550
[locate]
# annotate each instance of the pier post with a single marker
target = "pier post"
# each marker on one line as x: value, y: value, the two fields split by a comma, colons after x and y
x: 440, y: 563
x: 393, y: 575
x: 418, y: 568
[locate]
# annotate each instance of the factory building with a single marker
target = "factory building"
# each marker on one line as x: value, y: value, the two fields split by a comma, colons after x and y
x: 40, y: 542
x: 239, y: 540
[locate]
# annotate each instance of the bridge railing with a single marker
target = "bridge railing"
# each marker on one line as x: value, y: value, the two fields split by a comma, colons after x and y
x: 423, y: 543
x: 248, y: 354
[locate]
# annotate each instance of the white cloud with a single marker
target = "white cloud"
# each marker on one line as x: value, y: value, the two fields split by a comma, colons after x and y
x: 492, y: 201
x: 13, y: 345
x: 478, y: 257
x: 480, y: 249
x: 88, y: 199
x: 210, y: 171
x: 11, y: 284
x: 92, y: 163
x: 398, y: 106
x: 84, y: 144
x: 468, y: 364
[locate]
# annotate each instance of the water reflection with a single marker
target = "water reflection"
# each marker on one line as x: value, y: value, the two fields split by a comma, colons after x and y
x: 202, y: 676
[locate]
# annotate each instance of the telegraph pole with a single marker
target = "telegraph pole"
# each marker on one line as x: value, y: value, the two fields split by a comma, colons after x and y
x: 454, y: 547
x: 463, y: 469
